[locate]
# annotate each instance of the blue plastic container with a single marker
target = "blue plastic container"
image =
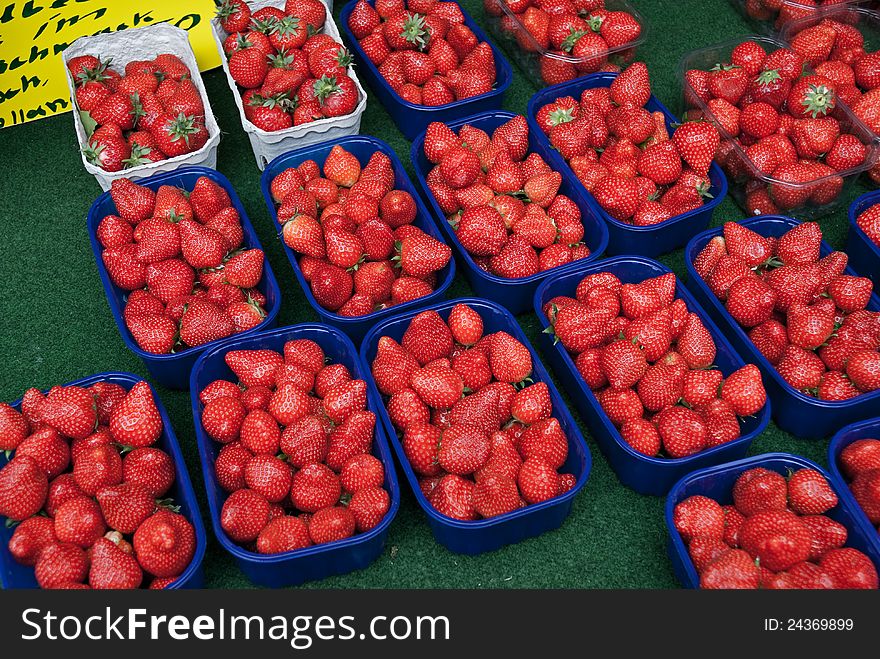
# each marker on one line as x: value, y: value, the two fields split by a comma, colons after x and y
x: 477, y: 537
x: 717, y: 483
x: 172, y: 370
x: 362, y: 147
x: 625, y: 238
x: 793, y: 411
x: 410, y: 118
x: 13, y: 575
x: 319, y: 561
x: 864, y: 255
x: 514, y: 294
x: 868, y: 429
x: 642, y: 473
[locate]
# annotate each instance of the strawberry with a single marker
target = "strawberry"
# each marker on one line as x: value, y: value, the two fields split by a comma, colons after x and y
x: 463, y: 449
x: 111, y: 567
x: 48, y: 449
x: 760, y: 490
x: 509, y: 359
x: 733, y: 569
x: 60, y: 564
x: 314, y: 487
x: 164, y: 544
x: 254, y: 367
x: 30, y: 537
x: 682, y: 431
x: 135, y: 421
x: 438, y: 386
x: 245, y: 513
x: 778, y: 539
x: 495, y: 495
x: 427, y: 338
x: 283, y: 534
x: 623, y: 364
x: 632, y: 87
x: 80, y: 522
x: 700, y: 387
x: 826, y: 534
x: 695, y: 343
x: 260, y: 433
x: 545, y: 439
x: 421, y: 444
x: 453, y: 496
x: 331, y: 524
x: 126, y: 506
x: 866, y: 490
x: 71, y: 411
x: 699, y: 516
x: 809, y: 493
x: 697, y: 143
x: 849, y: 568
x: 465, y: 324
x: 150, y: 468
x: 801, y: 369
x: 97, y: 467
x: 861, y: 455
x: 538, y: 480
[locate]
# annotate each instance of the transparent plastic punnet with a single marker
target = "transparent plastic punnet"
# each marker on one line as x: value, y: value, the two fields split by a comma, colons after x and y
x: 743, y: 176
x: 770, y: 20
x: 523, y: 49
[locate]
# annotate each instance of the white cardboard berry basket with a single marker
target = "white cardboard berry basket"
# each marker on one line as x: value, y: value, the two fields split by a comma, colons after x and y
x: 139, y: 44
x: 268, y: 145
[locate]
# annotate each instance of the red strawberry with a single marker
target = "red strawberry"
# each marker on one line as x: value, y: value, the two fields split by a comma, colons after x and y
x: 453, y: 496
x: 538, y: 480
x: 60, y: 564
x: 97, y: 467
x: 861, y: 455
x: 734, y: 569
x: 254, y: 367
x: 30, y: 538
x: 245, y: 513
x: 682, y: 431
x: 760, y: 490
x: 496, y: 495
x: 698, y: 516
x: 135, y: 421
x: 80, y: 522
x: 421, y: 445
x: 314, y: 487
x: 427, y: 338
x: 331, y: 524
x: 71, y: 411
x: 696, y: 344
x: 744, y: 390
x: 368, y: 506
x: 463, y: 449
x: 509, y: 359
x: 826, y: 535
x: 165, y: 544
x: 283, y: 534
x: 150, y: 468
x: 126, y: 506
x: 111, y: 567
x: 545, y: 439
x: 849, y: 568
x: 642, y: 436
x: 623, y: 364
x: 809, y: 493
x: 778, y: 539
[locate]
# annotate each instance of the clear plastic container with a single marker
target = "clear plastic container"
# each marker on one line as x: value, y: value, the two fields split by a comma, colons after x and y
x: 743, y: 176
x: 523, y: 49
x: 138, y: 44
x: 773, y: 20
x: 269, y: 145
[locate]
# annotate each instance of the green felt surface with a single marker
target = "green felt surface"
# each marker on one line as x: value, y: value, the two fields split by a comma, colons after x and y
x: 56, y: 326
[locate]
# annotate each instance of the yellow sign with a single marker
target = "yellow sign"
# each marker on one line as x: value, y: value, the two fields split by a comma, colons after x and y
x: 33, y: 33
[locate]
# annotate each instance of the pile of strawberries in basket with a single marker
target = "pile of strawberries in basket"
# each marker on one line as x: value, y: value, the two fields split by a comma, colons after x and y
x: 572, y: 38
x: 423, y: 50
x: 150, y: 112
x: 860, y: 464
x: 649, y: 361
x: 786, y: 136
x: 85, y: 485
x: 481, y: 438
x: 801, y: 311
x: 181, y: 257
x: 775, y: 535
x: 296, y: 457
x: 836, y: 51
x: 624, y: 155
x: 785, y: 11
x: 289, y: 71
x: 502, y: 201
x: 869, y: 222
x: 360, y: 250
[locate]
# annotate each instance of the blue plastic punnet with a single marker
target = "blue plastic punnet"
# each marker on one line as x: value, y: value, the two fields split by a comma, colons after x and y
x: 867, y: 429
x: 625, y: 238
x: 794, y: 411
x: 484, y: 535
x: 172, y: 370
x: 864, y: 254
x: 318, y: 561
x: 513, y: 294
x: 362, y: 147
x: 410, y: 118
x: 717, y: 483
x: 13, y: 575
x: 642, y: 473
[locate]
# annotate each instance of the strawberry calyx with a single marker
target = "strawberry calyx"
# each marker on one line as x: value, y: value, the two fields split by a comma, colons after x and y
x: 571, y: 39
x: 264, y: 25
x: 818, y: 99
x: 561, y: 116
x: 281, y: 60
x: 724, y: 67
x: 414, y: 30
x: 595, y: 22
x: 226, y: 9
x: 95, y: 73
x: 139, y: 156
x: 767, y: 77
x: 92, y: 152
x: 285, y: 26
x: 181, y: 127
x: 324, y: 87
x: 168, y: 504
